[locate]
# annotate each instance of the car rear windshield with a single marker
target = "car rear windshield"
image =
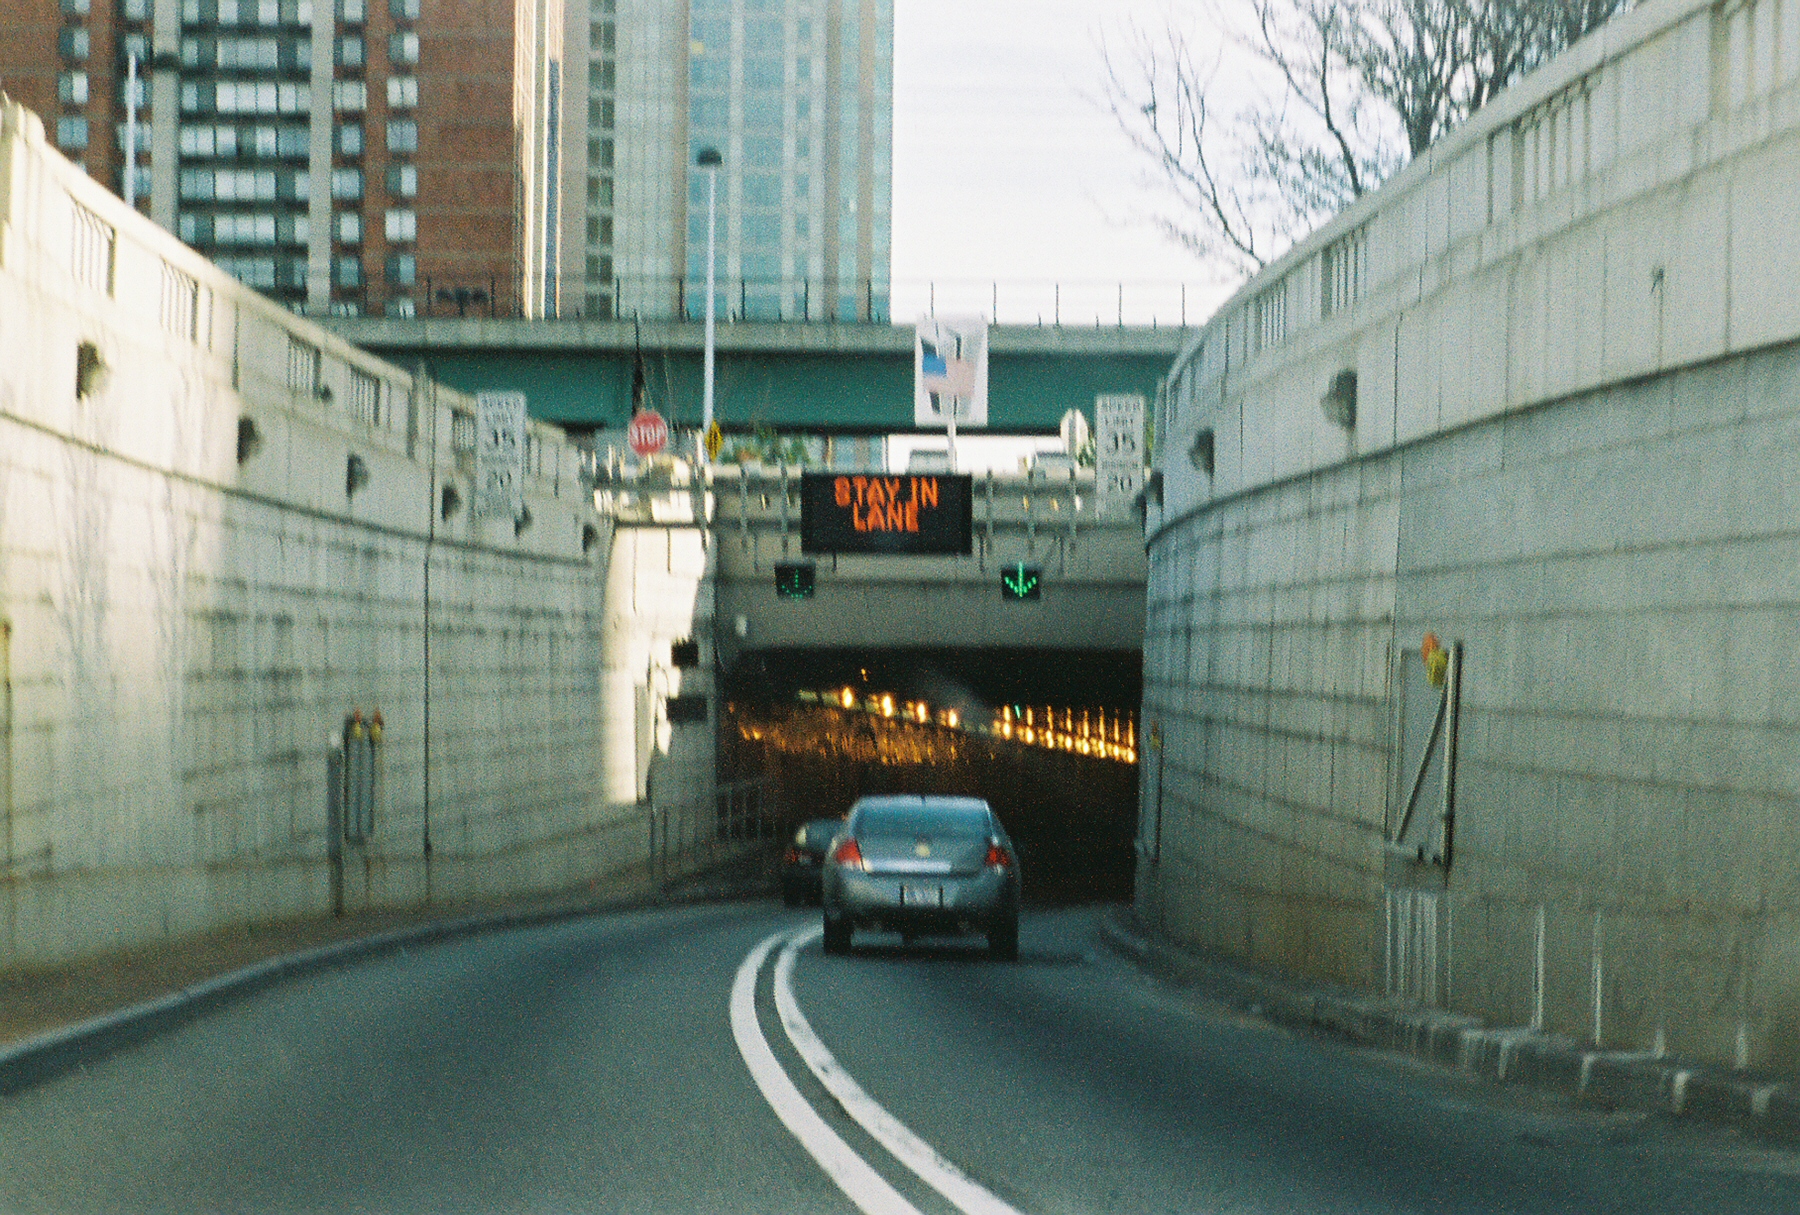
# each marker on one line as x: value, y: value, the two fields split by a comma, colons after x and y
x: 818, y: 834
x: 922, y: 820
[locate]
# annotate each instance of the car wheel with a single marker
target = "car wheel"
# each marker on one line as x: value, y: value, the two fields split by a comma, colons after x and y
x: 1003, y: 940
x: 837, y: 935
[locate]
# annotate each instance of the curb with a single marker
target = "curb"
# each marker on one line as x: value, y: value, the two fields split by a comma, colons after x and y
x: 1634, y: 1080
x: 44, y: 1056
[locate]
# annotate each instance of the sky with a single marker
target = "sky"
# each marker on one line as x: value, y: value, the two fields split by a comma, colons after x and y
x: 1008, y: 172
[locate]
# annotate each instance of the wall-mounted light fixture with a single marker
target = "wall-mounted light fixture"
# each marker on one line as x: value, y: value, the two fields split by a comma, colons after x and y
x: 449, y: 501
x: 90, y: 370
x: 356, y: 475
x: 249, y: 438
x: 522, y: 522
x: 1339, y: 401
x: 590, y: 536
x: 1200, y: 453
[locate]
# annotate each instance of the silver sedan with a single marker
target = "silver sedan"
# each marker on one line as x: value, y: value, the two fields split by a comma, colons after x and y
x: 917, y: 865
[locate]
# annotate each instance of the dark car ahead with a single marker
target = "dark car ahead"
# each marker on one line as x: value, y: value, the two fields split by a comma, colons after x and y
x: 804, y: 858
x: 922, y: 865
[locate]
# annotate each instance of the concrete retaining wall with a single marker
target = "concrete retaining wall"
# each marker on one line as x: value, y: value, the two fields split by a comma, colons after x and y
x: 194, y: 602
x: 1577, y: 399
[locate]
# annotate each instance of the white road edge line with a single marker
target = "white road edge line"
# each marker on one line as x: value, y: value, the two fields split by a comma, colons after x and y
x: 860, y: 1183
x: 957, y: 1186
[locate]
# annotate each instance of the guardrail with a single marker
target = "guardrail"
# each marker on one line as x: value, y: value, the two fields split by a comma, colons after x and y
x: 743, y: 811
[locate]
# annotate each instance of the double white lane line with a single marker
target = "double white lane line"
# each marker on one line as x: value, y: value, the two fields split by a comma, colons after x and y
x: 861, y: 1183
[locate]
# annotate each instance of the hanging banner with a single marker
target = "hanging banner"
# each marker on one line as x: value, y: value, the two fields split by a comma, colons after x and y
x: 1118, y: 449
x: 499, y: 454
x: 950, y: 370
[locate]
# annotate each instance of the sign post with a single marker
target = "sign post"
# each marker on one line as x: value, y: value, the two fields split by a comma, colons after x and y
x: 499, y: 454
x: 950, y: 372
x: 1118, y: 449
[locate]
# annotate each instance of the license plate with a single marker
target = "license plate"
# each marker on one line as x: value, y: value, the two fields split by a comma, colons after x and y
x: 921, y: 896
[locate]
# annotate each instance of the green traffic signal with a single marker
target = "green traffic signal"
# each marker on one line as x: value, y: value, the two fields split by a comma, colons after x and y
x: 794, y: 581
x: 1020, y: 581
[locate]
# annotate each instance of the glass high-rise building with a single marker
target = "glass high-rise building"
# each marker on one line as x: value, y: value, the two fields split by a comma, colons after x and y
x: 797, y: 98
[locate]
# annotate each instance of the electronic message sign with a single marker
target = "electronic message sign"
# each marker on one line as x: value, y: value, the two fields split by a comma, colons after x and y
x: 912, y: 513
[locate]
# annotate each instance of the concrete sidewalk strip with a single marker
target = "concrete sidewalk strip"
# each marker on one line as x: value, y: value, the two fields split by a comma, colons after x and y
x: 41, y: 1056
x: 1636, y: 1080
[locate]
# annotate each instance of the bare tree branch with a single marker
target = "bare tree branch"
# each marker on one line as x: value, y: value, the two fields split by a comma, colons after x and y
x: 1355, y: 89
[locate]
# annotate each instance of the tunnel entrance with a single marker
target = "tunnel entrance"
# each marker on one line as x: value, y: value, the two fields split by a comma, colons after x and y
x: 1049, y: 738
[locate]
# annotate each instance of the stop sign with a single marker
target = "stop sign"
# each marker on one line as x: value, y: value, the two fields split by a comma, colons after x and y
x: 648, y: 433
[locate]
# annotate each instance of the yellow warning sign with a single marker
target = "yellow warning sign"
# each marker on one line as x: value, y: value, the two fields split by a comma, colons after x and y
x: 715, y: 439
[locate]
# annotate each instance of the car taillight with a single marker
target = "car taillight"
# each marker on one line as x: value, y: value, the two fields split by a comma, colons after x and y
x: 997, y: 857
x: 848, y: 854
x: 791, y: 856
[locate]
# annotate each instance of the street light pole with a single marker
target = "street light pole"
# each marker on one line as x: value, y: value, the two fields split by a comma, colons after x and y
x: 131, y: 79
x: 710, y: 160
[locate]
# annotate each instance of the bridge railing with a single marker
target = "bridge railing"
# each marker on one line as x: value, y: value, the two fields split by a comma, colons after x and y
x: 1086, y: 303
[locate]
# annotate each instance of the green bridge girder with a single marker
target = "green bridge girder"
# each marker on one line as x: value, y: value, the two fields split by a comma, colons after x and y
x: 815, y: 378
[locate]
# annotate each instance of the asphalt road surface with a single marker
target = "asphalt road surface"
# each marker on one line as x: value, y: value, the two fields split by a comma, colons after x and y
x: 711, y: 1059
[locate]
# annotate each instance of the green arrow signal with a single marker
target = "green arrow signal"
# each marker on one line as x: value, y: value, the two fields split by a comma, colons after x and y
x: 1021, y: 581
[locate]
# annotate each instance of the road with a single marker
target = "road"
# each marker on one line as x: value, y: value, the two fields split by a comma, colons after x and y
x: 594, y: 1065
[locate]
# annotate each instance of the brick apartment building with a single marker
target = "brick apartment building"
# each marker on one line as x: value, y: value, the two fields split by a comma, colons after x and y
x: 343, y: 156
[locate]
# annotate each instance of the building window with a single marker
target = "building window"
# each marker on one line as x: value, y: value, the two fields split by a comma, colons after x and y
x: 346, y: 271
x: 350, y: 139
x: 403, y: 10
x: 401, y: 225
x: 72, y: 41
x: 71, y: 134
x: 250, y: 97
x: 403, y: 181
x: 350, y: 51
x: 228, y: 185
x: 347, y: 227
x: 75, y: 8
x: 404, y: 307
x: 350, y: 96
x: 402, y: 135
x: 403, y: 48
x: 251, y: 271
x: 354, y: 12
x: 72, y: 88
x: 402, y: 270
x: 403, y: 92
x: 346, y: 183
x: 135, y: 10
x: 243, y: 229
x: 244, y: 54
